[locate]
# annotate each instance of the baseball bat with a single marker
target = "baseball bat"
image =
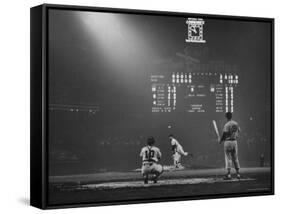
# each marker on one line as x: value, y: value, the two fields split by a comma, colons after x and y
x: 216, y: 129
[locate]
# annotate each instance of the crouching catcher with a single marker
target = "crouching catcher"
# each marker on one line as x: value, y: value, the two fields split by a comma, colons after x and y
x: 150, y: 155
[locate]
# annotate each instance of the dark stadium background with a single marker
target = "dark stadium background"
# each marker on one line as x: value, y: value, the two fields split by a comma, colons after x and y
x: 105, y: 61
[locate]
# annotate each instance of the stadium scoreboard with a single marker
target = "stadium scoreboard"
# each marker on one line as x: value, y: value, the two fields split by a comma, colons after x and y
x: 194, y: 92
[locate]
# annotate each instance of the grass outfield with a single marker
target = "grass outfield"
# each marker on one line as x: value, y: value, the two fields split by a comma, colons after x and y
x: 120, y: 186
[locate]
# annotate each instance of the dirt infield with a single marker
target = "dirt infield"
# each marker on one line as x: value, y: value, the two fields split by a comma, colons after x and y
x: 161, y: 182
x: 128, y: 186
x: 135, y: 175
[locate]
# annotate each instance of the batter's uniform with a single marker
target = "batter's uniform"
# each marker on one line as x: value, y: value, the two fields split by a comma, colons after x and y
x: 230, y: 144
x: 150, y: 156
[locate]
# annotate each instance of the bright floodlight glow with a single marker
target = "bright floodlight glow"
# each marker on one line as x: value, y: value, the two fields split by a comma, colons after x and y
x: 117, y: 39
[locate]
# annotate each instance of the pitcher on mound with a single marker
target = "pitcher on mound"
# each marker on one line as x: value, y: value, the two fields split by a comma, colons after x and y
x: 177, y: 151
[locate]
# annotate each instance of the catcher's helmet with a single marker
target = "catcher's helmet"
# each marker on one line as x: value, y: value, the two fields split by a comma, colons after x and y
x: 150, y: 141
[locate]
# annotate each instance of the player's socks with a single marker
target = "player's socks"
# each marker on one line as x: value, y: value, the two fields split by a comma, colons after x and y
x: 146, y: 180
x: 156, y: 177
x: 237, y: 173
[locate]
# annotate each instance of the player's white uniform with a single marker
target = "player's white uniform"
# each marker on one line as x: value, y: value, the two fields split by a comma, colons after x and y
x: 150, y: 156
x: 179, y: 148
x: 178, y: 151
x: 230, y: 144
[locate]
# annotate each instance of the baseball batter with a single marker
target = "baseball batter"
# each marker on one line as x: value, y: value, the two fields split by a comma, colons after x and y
x: 150, y: 155
x: 177, y: 151
x: 229, y: 138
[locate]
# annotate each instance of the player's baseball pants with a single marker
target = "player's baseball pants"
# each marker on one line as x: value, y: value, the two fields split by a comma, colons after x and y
x: 231, y: 154
x: 151, y: 168
x: 177, y: 158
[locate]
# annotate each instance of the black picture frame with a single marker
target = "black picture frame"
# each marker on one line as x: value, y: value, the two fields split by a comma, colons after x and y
x: 39, y: 104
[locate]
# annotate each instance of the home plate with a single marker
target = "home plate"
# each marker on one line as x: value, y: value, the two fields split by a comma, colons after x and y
x: 140, y: 184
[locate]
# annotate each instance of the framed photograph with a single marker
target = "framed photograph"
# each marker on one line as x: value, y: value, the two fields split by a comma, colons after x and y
x: 134, y: 106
